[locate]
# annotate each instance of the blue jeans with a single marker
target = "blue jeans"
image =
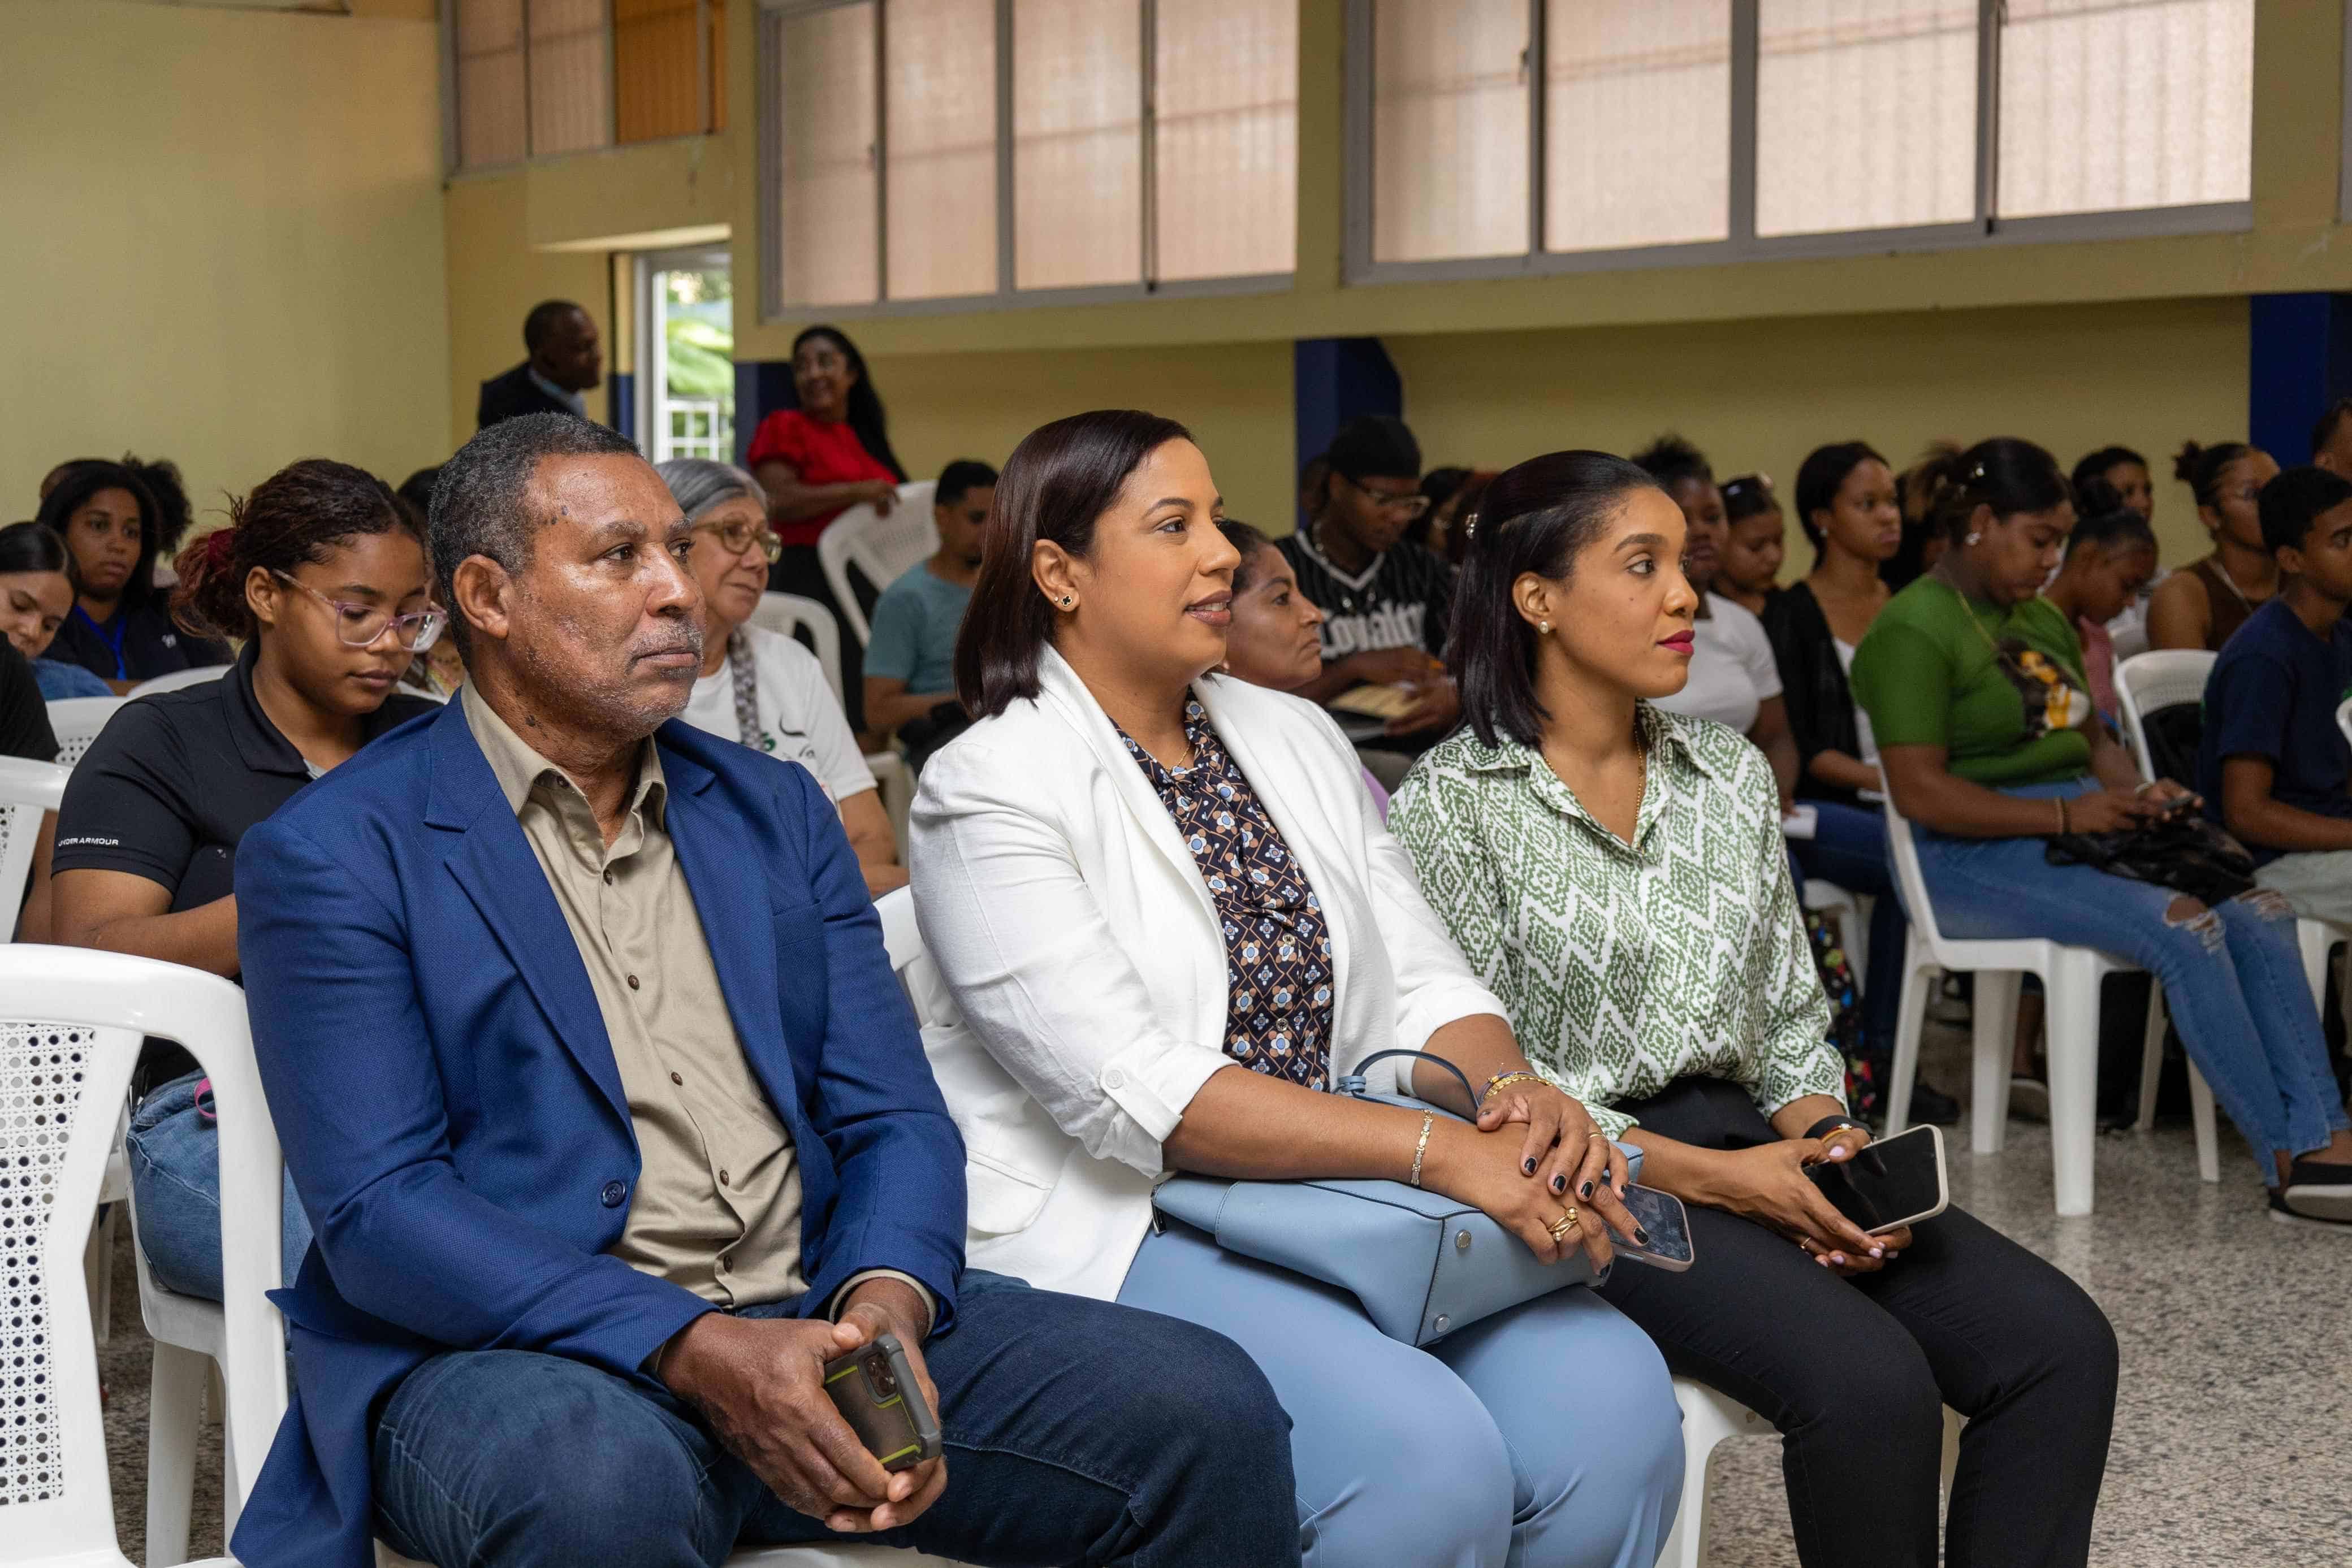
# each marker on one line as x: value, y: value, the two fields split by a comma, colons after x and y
x: 174, y: 1157
x: 2233, y: 976
x: 1849, y: 848
x: 1546, y: 1435
x: 1076, y: 1431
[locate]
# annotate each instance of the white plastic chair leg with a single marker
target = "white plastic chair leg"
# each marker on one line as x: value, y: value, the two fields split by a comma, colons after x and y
x: 174, y: 1414
x: 1857, y: 941
x: 2151, y: 1062
x: 2200, y: 1113
x: 1708, y: 1418
x: 1953, y: 1422
x: 2072, y: 1010
x: 2315, y: 938
x: 1995, y: 1011
x: 1919, y: 974
x: 97, y: 1273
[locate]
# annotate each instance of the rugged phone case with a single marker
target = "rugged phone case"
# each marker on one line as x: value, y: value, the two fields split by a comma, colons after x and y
x: 877, y: 1394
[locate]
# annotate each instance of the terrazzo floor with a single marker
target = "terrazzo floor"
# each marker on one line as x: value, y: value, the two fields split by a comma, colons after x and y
x: 2234, y: 1433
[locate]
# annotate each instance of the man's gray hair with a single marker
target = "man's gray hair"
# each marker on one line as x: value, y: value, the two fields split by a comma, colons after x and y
x: 481, y: 500
x: 699, y: 484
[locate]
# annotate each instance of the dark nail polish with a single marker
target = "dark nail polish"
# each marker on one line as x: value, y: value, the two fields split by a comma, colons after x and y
x: 1586, y: 1189
x: 1559, y: 1183
x: 1641, y: 1235
x: 1527, y: 1167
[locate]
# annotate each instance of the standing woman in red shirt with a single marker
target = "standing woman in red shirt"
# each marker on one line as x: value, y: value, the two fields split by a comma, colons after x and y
x: 818, y: 461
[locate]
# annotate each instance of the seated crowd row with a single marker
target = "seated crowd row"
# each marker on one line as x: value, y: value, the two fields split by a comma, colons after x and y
x: 583, y: 1017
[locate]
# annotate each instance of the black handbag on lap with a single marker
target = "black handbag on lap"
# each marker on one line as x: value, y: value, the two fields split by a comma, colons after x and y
x: 2183, y: 852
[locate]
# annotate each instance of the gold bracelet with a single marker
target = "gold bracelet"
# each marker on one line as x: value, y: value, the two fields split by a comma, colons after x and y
x: 1502, y: 1078
x: 2064, y: 823
x: 1428, y: 1120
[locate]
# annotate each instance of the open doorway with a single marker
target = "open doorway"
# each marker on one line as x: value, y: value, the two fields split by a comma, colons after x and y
x: 685, y: 322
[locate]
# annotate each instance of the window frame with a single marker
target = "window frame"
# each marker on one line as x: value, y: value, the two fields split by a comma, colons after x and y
x: 774, y: 304
x: 453, y: 164
x: 1742, y: 242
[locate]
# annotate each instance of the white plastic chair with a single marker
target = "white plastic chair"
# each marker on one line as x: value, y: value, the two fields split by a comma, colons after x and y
x: 27, y: 789
x: 881, y: 549
x: 1708, y: 1417
x: 178, y: 678
x: 69, y: 1032
x: 790, y: 614
x: 2070, y: 983
x: 76, y: 722
x: 1854, y: 911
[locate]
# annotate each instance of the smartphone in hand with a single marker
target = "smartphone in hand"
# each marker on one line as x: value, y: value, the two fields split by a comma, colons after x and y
x: 1662, y: 1217
x: 1890, y: 1183
x: 876, y: 1391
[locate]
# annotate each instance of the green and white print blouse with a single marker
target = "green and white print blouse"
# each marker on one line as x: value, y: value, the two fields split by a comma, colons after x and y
x: 1625, y: 967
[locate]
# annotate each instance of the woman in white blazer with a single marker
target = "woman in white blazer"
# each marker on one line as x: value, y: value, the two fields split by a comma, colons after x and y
x: 1137, y: 998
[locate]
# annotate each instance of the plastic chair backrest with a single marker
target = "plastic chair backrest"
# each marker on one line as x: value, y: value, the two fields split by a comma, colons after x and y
x: 882, y: 549
x: 1909, y: 879
x: 792, y: 614
x: 2344, y: 719
x: 178, y: 678
x: 26, y: 789
x: 70, y: 1026
x: 2148, y: 684
x: 78, y: 720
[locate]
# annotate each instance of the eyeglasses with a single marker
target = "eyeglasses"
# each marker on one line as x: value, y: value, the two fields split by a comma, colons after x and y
x: 1407, y: 504
x: 737, y: 538
x: 359, y: 625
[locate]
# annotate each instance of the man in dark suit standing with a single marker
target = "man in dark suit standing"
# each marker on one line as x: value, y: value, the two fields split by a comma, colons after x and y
x: 566, y: 360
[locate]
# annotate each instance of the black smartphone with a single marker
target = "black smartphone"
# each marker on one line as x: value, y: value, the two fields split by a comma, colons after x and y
x: 876, y: 1392
x: 1661, y: 1216
x: 1892, y: 1182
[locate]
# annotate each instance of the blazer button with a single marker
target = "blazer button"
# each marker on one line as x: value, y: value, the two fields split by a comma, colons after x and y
x: 613, y: 1193
x: 1115, y: 1078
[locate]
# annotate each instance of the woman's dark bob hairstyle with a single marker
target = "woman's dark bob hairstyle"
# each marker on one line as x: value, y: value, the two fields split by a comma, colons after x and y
x: 1536, y: 517
x: 1820, y: 478
x: 1058, y: 481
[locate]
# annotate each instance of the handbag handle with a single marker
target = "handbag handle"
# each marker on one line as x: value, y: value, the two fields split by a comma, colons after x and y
x: 1353, y: 1083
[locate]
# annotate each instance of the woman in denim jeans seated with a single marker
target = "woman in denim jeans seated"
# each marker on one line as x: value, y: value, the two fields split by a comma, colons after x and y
x: 324, y: 578
x: 1990, y: 744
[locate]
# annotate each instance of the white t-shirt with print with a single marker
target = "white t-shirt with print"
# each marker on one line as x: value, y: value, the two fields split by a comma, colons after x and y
x: 799, y: 719
x: 1731, y: 668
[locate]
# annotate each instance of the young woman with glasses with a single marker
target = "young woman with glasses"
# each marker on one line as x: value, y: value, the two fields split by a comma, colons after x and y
x: 761, y: 687
x: 323, y: 577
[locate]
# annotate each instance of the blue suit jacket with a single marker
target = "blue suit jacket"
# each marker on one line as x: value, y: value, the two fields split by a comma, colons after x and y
x: 448, y: 1099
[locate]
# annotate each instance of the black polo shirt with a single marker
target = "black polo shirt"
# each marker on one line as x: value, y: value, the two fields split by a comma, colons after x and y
x: 23, y: 716
x: 133, y: 644
x: 173, y: 781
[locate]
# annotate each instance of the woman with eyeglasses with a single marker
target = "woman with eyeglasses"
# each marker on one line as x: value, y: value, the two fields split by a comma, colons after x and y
x: 323, y: 577
x: 761, y: 687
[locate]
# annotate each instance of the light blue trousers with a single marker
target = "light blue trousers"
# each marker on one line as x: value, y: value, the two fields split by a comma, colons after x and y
x: 1546, y: 1437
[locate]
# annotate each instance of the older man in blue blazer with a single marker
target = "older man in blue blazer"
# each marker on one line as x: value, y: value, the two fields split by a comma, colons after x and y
x: 590, y: 1068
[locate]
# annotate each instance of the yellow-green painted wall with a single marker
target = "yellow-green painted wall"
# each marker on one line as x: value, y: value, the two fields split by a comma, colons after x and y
x: 495, y: 277
x: 222, y: 241
x: 1758, y: 395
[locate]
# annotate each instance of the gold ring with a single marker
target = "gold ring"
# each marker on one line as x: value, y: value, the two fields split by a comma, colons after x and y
x: 1563, y: 1225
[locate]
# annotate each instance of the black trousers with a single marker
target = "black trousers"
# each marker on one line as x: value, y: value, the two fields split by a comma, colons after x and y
x: 1855, y: 1373
x: 797, y: 570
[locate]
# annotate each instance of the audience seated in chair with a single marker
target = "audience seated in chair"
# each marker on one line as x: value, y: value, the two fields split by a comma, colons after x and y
x: 911, y: 662
x: 579, y: 1032
x: 2271, y: 760
x: 2110, y: 557
x: 761, y: 687
x: 1974, y: 684
x: 1682, y: 1006
x: 322, y: 576
x: 35, y: 596
x: 1152, y: 976
x: 1754, y: 545
x: 120, y: 628
x: 2203, y: 604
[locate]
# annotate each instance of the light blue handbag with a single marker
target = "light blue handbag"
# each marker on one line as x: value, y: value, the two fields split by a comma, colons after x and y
x: 1423, y: 1264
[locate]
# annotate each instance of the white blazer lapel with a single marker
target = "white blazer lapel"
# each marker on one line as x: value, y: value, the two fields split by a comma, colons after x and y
x: 1060, y: 689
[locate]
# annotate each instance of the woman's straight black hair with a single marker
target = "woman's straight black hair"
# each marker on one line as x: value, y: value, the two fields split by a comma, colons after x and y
x: 1820, y: 478
x: 866, y: 416
x: 1056, y: 484
x: 1536, y: 517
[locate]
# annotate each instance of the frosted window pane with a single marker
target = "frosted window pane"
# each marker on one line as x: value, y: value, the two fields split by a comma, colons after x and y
x: 1449, y: 128
x: 491, y: 105
x: 1225, y: 147
x: 1637, y: 122
x: 2126, y: 103
x: 825, y: 193
x: 570, y: 77
x: 939, y: 186
x: 1865, y: 114
x: 1077, y: 143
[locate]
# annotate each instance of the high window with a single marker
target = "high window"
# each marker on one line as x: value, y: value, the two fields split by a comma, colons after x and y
x: 1496, y: 136
x: 919, y: 152
x: 529, y: 78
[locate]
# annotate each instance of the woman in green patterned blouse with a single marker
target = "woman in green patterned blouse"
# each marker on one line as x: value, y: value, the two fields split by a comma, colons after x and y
x: 1616, y: 875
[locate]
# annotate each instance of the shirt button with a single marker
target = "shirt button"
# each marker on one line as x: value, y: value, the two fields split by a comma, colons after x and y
x: 725, y: 1264
x: 1115, y: 1078
x: 608, y: 879
x: 722, y: 1179
x: 613, y: 1193
x: 673, y: 1078
x: 633, y: 982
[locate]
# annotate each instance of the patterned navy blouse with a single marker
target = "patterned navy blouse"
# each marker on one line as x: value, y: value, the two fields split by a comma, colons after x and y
x: 1278, y: 949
